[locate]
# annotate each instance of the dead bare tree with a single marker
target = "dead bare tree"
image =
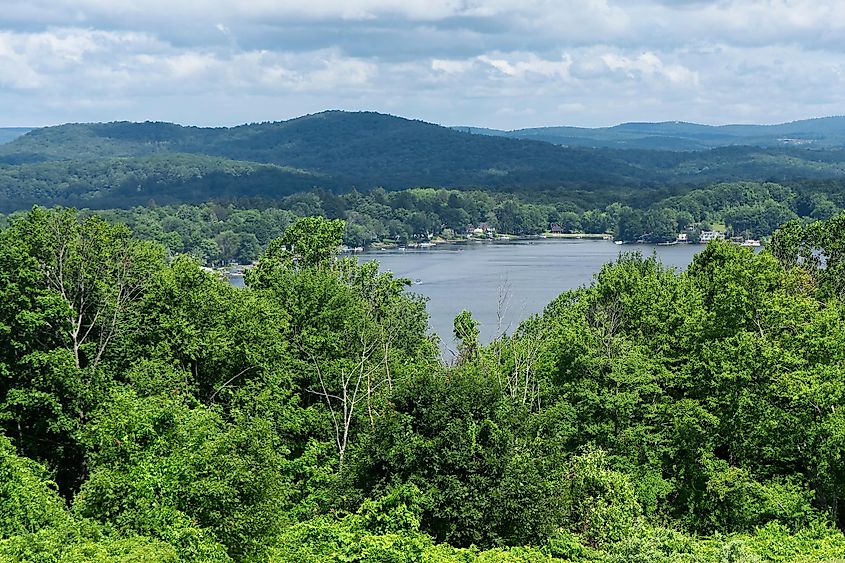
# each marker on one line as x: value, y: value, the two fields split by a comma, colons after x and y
x: 94, y: 268
x: 512, y: 360
x: 503, y: 303
x: 97, y: 271
x: 523, y: 385
x: 492, y: 360
x: 344, y: 388
x: 356, y: 377
x: 606, y: 319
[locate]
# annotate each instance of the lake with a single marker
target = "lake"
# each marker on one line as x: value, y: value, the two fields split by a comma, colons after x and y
x: 524, y: 276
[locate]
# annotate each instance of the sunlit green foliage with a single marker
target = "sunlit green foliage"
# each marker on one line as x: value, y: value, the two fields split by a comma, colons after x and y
x: 216, y: 233
x: 152, y: 412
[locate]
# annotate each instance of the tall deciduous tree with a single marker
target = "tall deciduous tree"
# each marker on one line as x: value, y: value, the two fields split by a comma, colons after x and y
x: 70, y: 285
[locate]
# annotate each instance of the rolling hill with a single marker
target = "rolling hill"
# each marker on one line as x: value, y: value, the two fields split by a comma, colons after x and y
x: 11, y: 133
x: 363, y: 149
x: 121, y: 164
x: 826, y: 132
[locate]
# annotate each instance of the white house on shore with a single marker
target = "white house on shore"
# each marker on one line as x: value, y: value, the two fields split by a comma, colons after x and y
x: 707, y: 236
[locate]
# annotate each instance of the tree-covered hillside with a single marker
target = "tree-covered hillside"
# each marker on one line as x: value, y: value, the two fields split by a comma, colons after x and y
x: 163, y: 178
x: 149, y: 411
x: 364, y: 148
x: 10, y: 133
x: 218, y: 233
x: 825, y: 132
x: 124, y: 164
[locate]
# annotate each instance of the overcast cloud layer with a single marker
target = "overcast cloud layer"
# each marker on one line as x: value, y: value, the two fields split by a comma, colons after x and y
x: 497, y: 63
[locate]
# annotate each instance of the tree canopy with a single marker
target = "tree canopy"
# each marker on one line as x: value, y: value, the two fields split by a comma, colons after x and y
x: 151, y: 411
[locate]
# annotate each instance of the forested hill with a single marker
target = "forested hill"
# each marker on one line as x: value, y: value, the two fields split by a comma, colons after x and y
x: 361, y: 146
x: 825, y: 132
x: 122, y: 164
x: 10, y: 133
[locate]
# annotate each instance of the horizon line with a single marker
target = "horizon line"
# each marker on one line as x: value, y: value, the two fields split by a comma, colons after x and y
x: 453, y: 126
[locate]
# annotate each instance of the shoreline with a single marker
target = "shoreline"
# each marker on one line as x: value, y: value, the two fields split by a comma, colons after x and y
x: 499, y: 238
x: 237, y: 271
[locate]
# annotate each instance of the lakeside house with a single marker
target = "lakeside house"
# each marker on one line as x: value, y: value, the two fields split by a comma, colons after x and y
x: 707, y: 236
x: 484, y: 230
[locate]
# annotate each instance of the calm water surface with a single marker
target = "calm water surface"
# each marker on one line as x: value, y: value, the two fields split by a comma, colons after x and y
x: 503, y: 283
x: 524, y: 275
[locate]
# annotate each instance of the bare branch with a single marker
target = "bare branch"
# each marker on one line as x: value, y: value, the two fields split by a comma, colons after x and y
x: 230, y: 380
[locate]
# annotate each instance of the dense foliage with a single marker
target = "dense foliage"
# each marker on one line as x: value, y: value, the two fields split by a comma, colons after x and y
x: 152, y: 412
x: 103, y: 165
x: 123, y: 182
x: 219, y: 233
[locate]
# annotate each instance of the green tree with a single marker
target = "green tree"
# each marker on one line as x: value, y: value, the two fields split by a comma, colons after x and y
x: 466, y: 333
x: 71, y: 289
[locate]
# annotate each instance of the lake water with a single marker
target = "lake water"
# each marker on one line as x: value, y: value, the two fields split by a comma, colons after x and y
x: 524, y: 276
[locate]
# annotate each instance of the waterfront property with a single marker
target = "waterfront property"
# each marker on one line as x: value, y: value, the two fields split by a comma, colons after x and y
x: 707, y: 236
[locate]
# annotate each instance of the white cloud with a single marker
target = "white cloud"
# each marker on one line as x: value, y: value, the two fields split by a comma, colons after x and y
x: 15, y: 69
x: 452, y: 66
x: 649, y: 65
x: 488, y: 62
x: 530, y: 65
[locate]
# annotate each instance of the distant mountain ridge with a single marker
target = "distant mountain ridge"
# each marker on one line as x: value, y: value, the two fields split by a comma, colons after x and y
x: 823, y: 132
x: 11, y: 133
x: 362, y: 149
x: 121, y: 164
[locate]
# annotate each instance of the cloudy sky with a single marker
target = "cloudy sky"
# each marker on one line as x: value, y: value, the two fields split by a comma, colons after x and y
x: 494, y: 63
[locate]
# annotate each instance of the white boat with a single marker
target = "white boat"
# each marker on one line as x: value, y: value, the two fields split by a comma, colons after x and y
x: 750, y: 242
x: 617, y: 242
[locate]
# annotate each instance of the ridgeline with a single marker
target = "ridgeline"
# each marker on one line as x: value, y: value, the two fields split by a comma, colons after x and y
x: 121, y: 164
